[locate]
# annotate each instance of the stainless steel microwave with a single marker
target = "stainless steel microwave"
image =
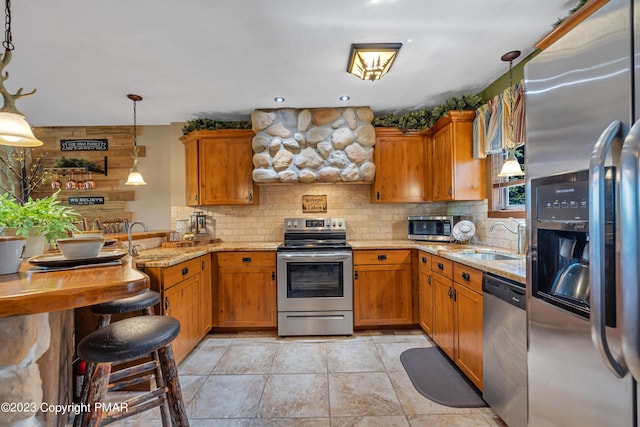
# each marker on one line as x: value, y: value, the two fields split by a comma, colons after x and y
x: 432, y: 228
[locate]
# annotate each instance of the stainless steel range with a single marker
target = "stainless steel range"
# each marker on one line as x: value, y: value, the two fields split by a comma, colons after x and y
x: 315, y: 278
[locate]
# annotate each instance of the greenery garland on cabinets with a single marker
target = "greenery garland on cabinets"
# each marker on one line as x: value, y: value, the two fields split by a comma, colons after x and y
x: 426, y: 118
x: 211, y: 124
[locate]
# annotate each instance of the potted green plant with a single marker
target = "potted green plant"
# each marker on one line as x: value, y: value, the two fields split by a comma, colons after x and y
x: 40, y: 220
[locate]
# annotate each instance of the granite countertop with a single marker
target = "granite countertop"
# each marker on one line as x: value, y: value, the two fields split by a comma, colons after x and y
x: 512, y: 269
x: 166, y: 257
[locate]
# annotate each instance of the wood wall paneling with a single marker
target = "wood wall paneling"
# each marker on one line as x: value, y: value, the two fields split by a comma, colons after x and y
x: 111, y: 186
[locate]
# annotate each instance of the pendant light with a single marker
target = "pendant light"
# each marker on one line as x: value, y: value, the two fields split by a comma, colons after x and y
x: 14, y: 129
x: 511, y: 166
x: 135, y: 178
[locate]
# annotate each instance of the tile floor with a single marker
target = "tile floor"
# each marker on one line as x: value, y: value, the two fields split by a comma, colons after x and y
x: 258, y: 379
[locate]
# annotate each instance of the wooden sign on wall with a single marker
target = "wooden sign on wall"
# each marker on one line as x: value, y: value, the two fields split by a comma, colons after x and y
x: 95, y: 200
x: 84, y: 145
x: 311, y: 204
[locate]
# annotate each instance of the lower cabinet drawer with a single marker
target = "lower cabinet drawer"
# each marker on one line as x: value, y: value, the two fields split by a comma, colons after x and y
x: 246, y: 259
x: 442, y: 266
x: 179, y: 272
x: 385, y: 256
x: 467, y: 276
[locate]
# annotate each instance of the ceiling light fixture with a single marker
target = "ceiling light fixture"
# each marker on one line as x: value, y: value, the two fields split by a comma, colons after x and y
x: 278, y: 99
x: 135, y: 177
x: 14, y: 129
x: 511, y: 166
x: 372, y: 61
x: 345, y: 98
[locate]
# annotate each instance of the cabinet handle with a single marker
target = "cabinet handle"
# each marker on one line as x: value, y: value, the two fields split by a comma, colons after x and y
x: 440, y: 266
x: 377, y: 195
x: 429, y: 280
x: 250, y: 196
x: 246, y: 259
x: 273, y: 275
x: 185, y: 271
x: 166, y: 303
x: 450, y: 190
x: 455, y: 295
x: 202, y: 263
x: 196, y: 196
x: 424, y: 260
x: 355, y: 276
x: 382, y: 257
x: 466, y: 277
x: 450, y: 292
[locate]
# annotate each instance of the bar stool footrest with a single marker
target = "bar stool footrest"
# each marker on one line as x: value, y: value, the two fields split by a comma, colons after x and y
x: 132, y: 370
x: 136, y: 405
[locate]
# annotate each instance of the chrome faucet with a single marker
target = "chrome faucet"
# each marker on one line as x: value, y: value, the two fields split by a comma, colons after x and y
x: 519, y: 231
x: 132, y: 250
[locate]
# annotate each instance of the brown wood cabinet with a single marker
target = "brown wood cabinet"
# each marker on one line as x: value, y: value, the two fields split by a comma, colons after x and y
x: 247, y: 289
x: 206, y: 296
x: 219, y: 168
x: 382, y: 292
x: 401, y: 161
x: 455, y: 174
x: 178, y: 301
x: 185, y: 289
x: 425, y: 292
x: 468, y: 314
x: 457, y: 324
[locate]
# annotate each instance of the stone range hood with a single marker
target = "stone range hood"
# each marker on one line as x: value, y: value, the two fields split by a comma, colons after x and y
x: 313, y: 145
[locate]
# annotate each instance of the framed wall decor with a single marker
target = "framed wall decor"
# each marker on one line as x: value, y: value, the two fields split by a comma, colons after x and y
x: 314, y: 204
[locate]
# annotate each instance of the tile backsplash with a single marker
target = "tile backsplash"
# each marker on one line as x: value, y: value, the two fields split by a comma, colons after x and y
x: 365, y: 220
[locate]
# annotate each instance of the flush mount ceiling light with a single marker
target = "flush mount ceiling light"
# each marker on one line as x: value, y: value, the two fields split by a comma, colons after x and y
x: 345, y: 98
x: 372, y: 61
x: 511, y: 166
x: 14, y: 129
x: 135, y: 177
x: 278, y: 99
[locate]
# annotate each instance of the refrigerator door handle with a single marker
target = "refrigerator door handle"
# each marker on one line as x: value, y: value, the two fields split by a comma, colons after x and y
x: 597, y: 247
x: 629, y: 262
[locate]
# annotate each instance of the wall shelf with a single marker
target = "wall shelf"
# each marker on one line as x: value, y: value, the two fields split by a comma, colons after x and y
x: 92, y: 167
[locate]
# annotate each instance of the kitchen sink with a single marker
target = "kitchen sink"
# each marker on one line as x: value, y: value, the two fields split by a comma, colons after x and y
x: 491, y: 256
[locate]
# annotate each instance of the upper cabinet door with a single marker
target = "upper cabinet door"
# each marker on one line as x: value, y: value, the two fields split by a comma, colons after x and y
x: 224, y: 166
x: 455, y: 173
x: 191, y: 172
x: 400, y: 167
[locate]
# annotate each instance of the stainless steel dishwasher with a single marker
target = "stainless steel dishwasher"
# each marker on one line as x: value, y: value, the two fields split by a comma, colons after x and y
x: 505, y: 349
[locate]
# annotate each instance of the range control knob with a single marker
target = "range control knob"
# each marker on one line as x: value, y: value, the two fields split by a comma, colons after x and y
x: 295, y: 224
x: 288, y: 224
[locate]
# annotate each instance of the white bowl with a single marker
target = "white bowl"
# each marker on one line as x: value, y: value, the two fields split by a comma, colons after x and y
x: 74, y: 248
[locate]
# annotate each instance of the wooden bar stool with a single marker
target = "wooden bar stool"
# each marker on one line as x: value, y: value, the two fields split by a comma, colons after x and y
x: 120, y: 379
x: 130, y: 339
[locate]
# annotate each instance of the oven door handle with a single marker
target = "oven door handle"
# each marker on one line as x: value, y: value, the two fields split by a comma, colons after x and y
x: 324, y: 256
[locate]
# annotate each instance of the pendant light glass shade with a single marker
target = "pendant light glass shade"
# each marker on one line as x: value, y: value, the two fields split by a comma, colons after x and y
x: 135, y: 178
x: 511, y: 166
x: 15, y: 131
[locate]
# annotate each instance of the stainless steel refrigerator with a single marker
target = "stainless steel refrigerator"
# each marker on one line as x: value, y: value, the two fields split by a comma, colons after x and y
x: 583, y: 212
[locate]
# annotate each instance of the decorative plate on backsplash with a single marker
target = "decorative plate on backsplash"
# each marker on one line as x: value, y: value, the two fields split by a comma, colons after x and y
x: 463, y: 230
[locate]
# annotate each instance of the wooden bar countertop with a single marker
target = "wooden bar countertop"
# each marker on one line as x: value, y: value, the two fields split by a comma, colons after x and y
x: 28, y: 292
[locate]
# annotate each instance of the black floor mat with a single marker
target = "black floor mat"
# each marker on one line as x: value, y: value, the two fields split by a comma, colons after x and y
x: 438, y: 379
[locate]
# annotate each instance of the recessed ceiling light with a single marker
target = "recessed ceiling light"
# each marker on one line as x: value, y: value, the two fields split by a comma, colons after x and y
x: 278, y: 99
x: 345, y: 98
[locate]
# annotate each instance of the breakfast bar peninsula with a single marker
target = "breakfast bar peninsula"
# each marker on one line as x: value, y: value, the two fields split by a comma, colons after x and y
x: 36, y: 327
